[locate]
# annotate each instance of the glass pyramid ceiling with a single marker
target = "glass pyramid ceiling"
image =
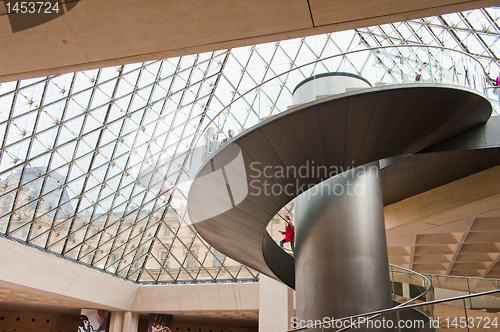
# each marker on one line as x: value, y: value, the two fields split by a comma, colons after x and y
x: 92, y: 163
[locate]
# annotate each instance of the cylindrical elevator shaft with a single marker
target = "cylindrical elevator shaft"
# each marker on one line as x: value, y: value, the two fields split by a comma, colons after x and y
x: 341, y: 258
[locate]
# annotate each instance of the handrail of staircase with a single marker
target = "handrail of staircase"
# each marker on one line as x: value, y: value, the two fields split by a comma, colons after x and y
x: 427, y: 290
x: 460, y: 277
x: 405, y: 304
x: 376, y: 48
x: 394, y: 309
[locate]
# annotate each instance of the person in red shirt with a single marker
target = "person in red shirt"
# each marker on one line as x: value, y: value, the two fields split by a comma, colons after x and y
x: 497, y: 84
x: 289, y: 234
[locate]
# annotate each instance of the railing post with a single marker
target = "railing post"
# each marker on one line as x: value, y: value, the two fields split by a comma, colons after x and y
x: 465, y: 311
x: 468, y: 287
x: 394, y: 296
x: 392, y: 283
x: 431, y: 297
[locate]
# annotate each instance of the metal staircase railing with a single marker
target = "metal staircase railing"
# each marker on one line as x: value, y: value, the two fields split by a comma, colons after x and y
x: 469, y: 322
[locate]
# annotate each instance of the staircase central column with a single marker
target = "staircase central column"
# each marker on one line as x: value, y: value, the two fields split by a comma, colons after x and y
x: 341, y: 260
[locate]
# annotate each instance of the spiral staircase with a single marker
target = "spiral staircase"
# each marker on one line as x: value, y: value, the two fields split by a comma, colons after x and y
x: 360, y: 126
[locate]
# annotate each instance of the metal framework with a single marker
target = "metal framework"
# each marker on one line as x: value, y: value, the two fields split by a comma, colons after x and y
x: 74, y: 145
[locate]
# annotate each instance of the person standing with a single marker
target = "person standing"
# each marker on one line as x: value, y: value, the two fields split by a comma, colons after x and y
x: 289, y: 234
x: 210, y: 144
x: 497, y: 84
x: 230, y: 135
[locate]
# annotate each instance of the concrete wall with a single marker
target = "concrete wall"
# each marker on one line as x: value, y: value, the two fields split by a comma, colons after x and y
x: 172, y: 298
x: 48, y: 275
x: 37, y: 273
x: 98, y: 33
